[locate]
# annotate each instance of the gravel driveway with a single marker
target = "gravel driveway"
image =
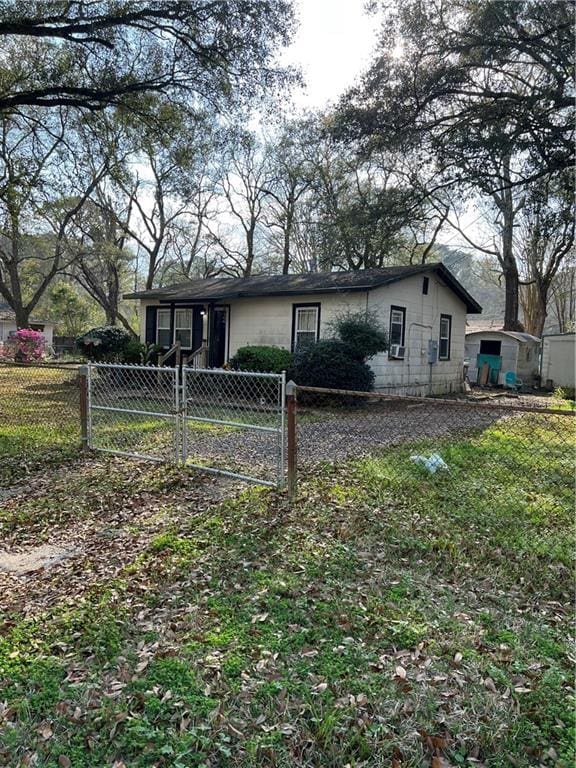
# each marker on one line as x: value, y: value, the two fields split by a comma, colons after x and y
x: 333, y: 435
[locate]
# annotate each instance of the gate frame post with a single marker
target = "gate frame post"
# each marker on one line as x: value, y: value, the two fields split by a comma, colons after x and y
x: 83, y: 378
x: 291, y: 390
x: 177, y: 415
x: 183, y: 417
x: 281, y: 447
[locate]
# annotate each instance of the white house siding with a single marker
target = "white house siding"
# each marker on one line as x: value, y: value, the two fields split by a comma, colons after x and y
x: 414, y: 375
x: 558, y: 360
x: 269, y: 321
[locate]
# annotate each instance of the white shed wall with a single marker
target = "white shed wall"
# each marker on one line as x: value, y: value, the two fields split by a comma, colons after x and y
x: 9, y: 326
x: 519, y: 357
x: 558, y: 360
x: 509, y: 353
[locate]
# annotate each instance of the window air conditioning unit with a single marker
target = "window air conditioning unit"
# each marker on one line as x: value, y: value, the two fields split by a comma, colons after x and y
x: 397, y: 351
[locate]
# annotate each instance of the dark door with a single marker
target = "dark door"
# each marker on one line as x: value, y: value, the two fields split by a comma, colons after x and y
x: 218, y: 338
x: 197, y: 328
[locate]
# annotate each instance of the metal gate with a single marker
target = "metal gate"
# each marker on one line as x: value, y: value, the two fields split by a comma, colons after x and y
x: 133, y: 410
x: 227, y: 422
x: 233, y: 423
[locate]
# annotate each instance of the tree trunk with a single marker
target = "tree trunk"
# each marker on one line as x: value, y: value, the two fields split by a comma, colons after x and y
x: 22, y: 317
x: 286, y: 249
x: 511, y: 307
x: 247, y: 271
x: 110, y: 316
x: 507, y: 259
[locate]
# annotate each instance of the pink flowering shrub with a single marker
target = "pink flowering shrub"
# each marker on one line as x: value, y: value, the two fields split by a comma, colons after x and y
x: 25, y: 346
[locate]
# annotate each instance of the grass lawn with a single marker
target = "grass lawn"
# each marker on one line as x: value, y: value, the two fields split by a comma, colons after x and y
x: 39, y: 421
x: 386, y: 619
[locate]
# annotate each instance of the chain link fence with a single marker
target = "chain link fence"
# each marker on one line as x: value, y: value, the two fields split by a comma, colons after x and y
x: 220, y: 421
x: 39, y: 415
x: 513, y: 458
x: 134, y: 411
x: 234, y: 423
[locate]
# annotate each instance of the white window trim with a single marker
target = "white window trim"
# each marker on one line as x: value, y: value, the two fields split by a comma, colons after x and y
x: 187, y: 327
x: 402, y: 312
x: 306, y: 308
x: 448, y: 338
x: 162, y: 313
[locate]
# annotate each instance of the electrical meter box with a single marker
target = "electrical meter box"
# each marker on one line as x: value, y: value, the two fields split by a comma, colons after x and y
x: 432, y: 351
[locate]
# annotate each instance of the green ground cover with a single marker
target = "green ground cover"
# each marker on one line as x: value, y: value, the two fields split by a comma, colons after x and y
x: 386, y: 618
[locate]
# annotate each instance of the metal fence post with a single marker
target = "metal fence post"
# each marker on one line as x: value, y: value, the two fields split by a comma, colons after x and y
x: 282, y: 434
x: 292, y: 443
x: 83, y: 386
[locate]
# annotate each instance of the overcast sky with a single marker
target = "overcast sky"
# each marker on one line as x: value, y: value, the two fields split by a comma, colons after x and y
x: 333, y: 45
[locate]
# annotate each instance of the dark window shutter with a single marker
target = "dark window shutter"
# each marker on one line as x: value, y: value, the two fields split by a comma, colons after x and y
x: 151, y: 325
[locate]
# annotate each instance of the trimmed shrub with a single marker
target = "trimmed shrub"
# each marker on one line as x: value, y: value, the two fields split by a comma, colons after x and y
x: 262, y: 359
x: 106, y: 344
x: 363, y: 332
x: 331, y: 364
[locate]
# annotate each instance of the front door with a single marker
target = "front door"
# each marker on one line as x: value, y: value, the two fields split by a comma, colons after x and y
x: 218, y: 337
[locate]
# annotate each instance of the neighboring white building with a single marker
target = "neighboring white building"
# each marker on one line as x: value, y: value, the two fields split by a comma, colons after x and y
x: 424, y: 308
x: 8, y: 325
x: 503, y: 351
x: 557, y: 368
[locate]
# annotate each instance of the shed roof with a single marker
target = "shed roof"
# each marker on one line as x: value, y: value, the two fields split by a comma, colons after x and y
x: 221, y: 288
x: 523, y: 338
x: 8, y: 314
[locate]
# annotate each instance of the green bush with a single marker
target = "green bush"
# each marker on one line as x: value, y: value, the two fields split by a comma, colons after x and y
x: 565, y: 393
x: 137, y: 353
x: 332, y: 364
x: 106, y: 344
x: 262, y: 359
x: 363, y: 332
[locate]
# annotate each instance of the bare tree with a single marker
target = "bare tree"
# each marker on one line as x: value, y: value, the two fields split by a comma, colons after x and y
x: 102, y: 258
x: 290, y: 178
x: 43, y: 186
x: 169, y: 198
x: 243, y: 189
x: 545, y: 243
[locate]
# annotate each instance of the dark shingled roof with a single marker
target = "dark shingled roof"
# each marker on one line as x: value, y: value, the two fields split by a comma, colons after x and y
x: 226, y: 288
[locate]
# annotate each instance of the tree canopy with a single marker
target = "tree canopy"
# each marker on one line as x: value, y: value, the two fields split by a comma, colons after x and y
x: 92, y: 55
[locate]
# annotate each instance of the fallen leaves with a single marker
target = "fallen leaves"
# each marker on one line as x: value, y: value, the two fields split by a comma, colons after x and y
x: 400, y: 672
x: 44, y: 730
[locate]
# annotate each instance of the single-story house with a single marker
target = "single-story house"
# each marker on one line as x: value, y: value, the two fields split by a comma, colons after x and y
x: 8, y: 325
x: 503, y: 352
x: 558, y: 364
x: 423, y: 307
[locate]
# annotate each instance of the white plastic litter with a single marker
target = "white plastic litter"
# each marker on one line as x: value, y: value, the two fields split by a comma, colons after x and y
x: 432, y: 463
